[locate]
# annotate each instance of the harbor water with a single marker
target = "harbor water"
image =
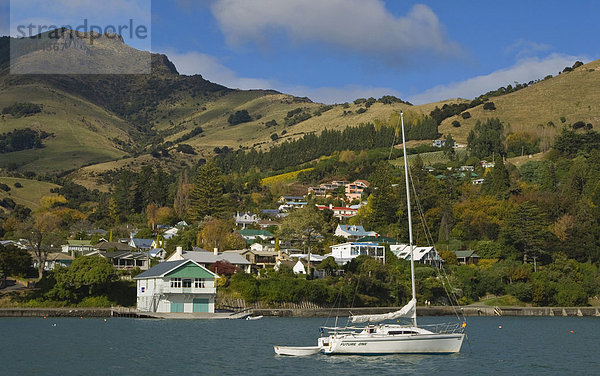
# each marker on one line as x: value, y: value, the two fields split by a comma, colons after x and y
x: 122, y: 346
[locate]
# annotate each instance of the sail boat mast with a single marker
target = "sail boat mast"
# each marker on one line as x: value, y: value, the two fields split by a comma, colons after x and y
x: 410, y: 234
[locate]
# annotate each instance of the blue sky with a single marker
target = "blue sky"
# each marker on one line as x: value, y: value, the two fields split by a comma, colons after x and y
x: 338, y: 50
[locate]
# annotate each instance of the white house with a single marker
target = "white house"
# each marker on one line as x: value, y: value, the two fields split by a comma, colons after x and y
x: 353, y: 232
x: 168, y: 234
x: 297, y: 266
x: 245, y: 219
x: 343, y: 253
x: 77, y: 247
x: 177, y: 286
x: 424, y: 255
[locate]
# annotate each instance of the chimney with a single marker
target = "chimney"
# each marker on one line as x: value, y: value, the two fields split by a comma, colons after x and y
x: 179, y: 253
x: 216, y: 251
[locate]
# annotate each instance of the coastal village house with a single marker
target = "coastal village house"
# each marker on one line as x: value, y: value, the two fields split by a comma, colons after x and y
x: 423, y: 255
x: 355, y: 190
x: 181, y: 286
x: 206, y: 259
x: 340, y: 212
x: 353, y: 232
x: 343, y: 253
x: 245, y: 219
x: 467, y: 257
x: 77, y: 247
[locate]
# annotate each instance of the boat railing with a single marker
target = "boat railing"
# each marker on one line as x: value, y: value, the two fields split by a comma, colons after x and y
x: 445, y: 328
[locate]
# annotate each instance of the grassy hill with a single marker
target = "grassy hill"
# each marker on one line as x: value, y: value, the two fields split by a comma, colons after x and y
x: 116, y: 121
x: 572, y: 95
x: 29, y: 194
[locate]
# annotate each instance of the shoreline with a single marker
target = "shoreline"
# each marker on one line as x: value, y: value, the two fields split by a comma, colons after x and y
x: 320, y: 312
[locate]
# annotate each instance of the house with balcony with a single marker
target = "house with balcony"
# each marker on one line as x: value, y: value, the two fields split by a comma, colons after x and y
x: 74, y: 247
x: 181, y: 286
x: 205, y: 258
x: 345, y: 252
x: 355, y: 190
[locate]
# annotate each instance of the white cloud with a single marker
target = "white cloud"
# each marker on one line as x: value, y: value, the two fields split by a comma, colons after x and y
x: 212, y: 69
x: 524, y: 48
x: 524, y: 70
x: 360, y: 26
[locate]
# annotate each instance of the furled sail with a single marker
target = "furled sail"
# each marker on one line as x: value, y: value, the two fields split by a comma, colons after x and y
x: 408, y: 311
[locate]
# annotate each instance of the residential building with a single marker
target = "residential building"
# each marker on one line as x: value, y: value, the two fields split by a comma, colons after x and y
x: 245, y: 219
x: 126, y: 260
x: 264, y: 223
x: 252, y: 235
x: 206, y: 258
x: 104, y: 246
x: 353, y: 232
x: 74, y: 247
x: 466, y: 168
x: 486, y: 164
x: 477, y: 181
x: 142, y: 244
x: 181, y: 286
x: 355, y: 190
x: 297, y: 266
x: 343, y: 253
x: 440, y: 143
x: 339, y: 211
x: 467, y: 257
x: 423, y: 255
x: 56, y: 259
x: 289, y: 199
x: 378, y: 239
x: 170, y: 233
x: 257, y: 259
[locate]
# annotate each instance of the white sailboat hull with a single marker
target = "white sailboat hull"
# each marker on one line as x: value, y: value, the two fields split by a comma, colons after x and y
x: 433, y: 343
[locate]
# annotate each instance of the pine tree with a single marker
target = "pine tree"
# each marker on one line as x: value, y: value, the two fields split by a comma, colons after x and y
x: 497, y: 181
x: 207, y: 198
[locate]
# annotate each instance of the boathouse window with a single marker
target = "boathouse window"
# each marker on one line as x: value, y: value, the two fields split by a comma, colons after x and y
x: 187, y: 283
x: 199, y: 283
x: 175, y: 282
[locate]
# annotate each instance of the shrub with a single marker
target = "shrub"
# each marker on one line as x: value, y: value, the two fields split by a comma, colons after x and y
x: 520, y: 290
x: 18, y: 185
x: 456, y: 123
x: 490, y: 106
x: 274, y: 137
x: 239, y: 117
x: 4, y: 187
x: 466, y: 115
x: 361, y: 110
x: 579, y: 124
x: 271, y: 123
x: 22, y: 109
x: 185, y: 149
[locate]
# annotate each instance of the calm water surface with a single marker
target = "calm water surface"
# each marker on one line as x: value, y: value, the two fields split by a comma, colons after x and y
x: 54, y: 346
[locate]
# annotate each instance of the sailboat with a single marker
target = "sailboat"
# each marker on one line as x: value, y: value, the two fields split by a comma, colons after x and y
x: 382, y: 338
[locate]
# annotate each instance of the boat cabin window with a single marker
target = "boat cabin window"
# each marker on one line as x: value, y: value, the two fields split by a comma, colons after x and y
x: 392, y: 332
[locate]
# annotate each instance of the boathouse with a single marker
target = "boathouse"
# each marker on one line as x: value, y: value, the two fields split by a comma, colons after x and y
x: 182, y: 286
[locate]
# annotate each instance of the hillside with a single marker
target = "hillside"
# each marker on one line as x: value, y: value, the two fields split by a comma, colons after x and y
x: 30, y: 192
x: 113, y: 121
x: 572, y: 95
